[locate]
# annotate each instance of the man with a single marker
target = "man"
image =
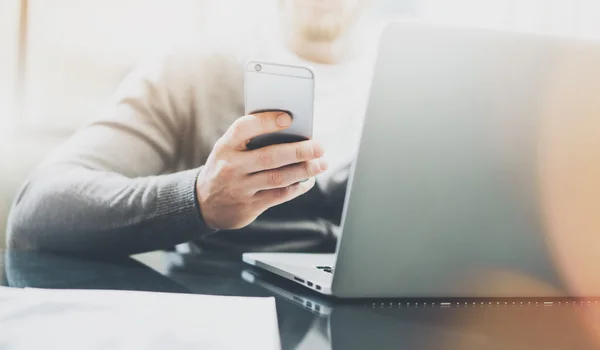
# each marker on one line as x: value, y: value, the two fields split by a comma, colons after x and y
x: 167, y: 163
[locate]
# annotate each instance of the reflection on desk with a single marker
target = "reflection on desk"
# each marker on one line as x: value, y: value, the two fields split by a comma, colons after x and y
x: 563, y: 324
x: 41, y: 270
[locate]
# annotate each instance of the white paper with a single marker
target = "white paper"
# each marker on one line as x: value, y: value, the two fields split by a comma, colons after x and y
x: 76, y: 319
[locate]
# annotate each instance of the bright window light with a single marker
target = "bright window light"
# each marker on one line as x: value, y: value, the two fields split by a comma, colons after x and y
x: 9, y: 14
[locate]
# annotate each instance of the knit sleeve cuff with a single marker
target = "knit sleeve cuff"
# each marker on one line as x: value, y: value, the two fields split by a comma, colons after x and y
x: 178, y: 208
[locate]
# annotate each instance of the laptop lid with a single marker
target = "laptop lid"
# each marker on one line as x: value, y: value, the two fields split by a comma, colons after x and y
x: 476, y: 173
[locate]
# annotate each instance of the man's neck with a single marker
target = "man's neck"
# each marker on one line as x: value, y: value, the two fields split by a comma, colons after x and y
x: 339, y: 50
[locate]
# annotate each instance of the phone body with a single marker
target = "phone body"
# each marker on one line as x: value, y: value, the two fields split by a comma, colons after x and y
x: 279, y: 87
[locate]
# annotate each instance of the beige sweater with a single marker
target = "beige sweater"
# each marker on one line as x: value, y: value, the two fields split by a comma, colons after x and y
x: 126, y: 182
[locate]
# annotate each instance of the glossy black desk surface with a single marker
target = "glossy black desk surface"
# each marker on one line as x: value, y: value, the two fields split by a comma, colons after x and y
x: 372, y: 324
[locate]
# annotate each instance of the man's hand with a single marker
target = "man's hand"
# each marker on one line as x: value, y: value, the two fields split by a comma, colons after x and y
x: 237, y: 185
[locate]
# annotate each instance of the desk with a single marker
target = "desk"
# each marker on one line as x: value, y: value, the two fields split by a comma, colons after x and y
x: 369, y: 324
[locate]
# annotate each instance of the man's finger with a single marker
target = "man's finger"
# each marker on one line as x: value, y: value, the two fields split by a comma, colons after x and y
x: 277, y: 196
x: 250, y: 126
x: 277, y: 156
x: 286, y: 176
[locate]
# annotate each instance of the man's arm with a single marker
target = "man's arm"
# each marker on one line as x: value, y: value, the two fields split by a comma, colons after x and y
x: 102, y: 190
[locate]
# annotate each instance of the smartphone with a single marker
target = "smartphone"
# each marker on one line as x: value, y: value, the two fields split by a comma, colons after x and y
x: 278, y: 87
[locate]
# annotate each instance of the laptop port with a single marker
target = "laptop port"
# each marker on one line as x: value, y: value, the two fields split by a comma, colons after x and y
x: 310, y: 284
x: 299, y: 279
x: 318, y: 287
x: 309, y: 304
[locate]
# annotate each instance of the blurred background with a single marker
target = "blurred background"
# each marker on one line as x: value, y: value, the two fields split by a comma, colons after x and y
x: 60, y: 60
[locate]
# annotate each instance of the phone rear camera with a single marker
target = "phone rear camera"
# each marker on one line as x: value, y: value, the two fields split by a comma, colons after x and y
x: 258, y: 67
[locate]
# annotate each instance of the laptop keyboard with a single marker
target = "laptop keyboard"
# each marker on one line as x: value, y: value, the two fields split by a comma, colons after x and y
x: 327, y: 269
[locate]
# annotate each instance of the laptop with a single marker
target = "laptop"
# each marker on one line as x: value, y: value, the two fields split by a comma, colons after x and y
x: 470, y: 179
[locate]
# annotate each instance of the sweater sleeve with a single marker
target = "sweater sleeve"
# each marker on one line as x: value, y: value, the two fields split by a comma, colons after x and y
x: 113, y: 188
